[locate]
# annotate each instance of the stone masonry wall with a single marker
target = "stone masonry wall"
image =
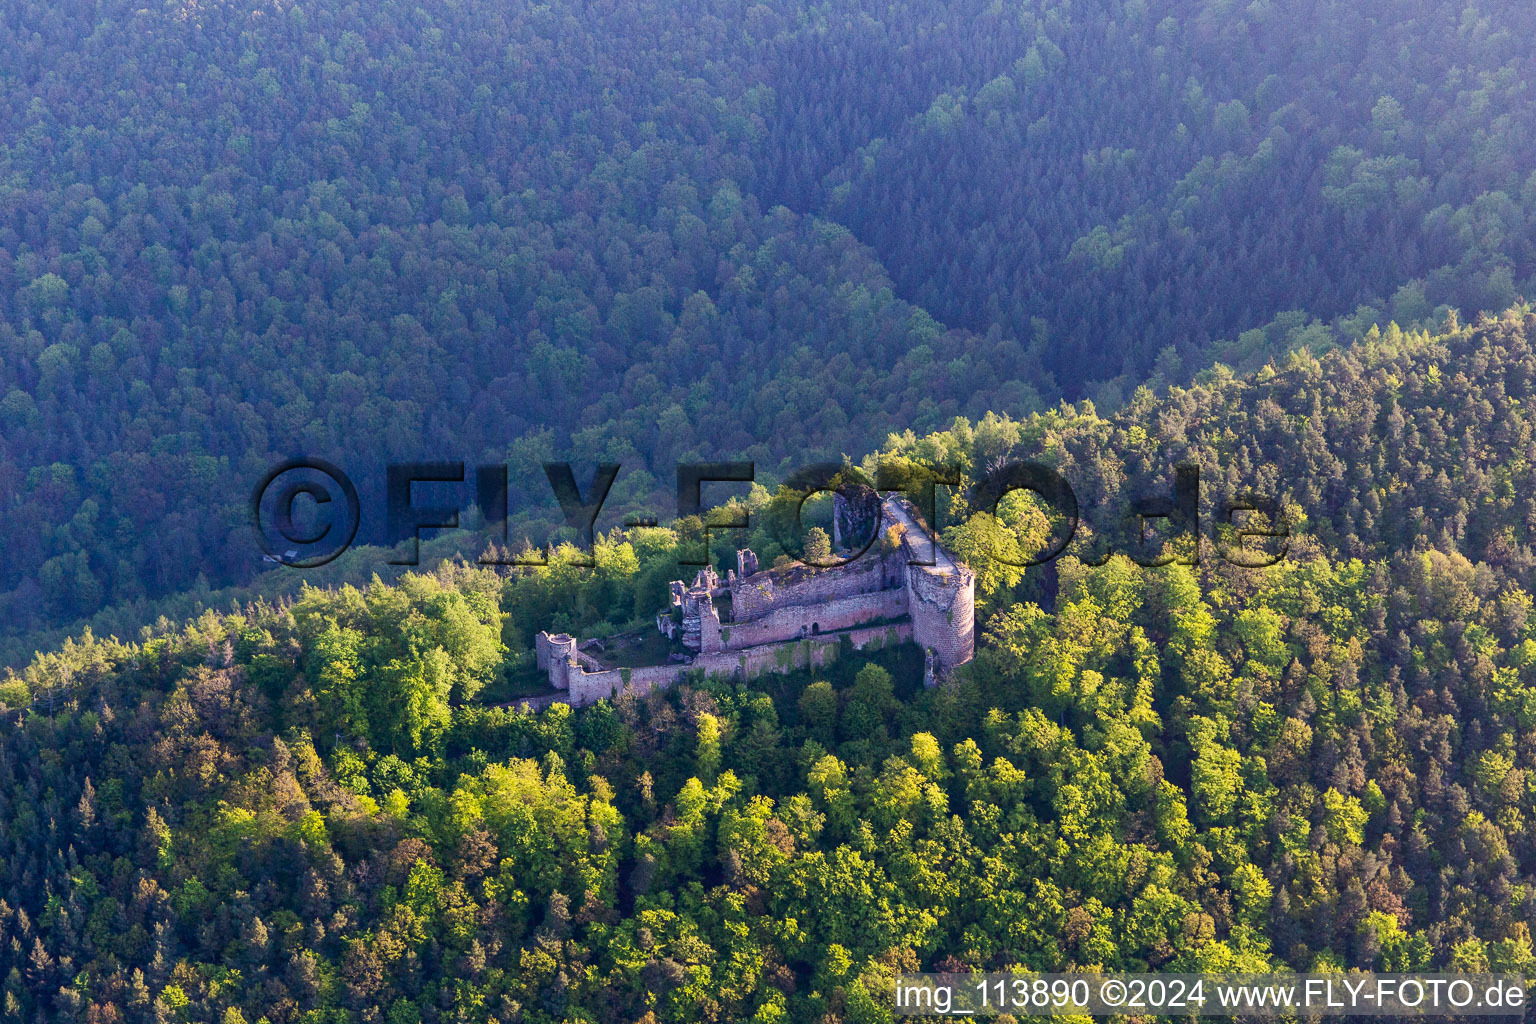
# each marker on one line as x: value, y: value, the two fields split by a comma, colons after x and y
x: 774, y: 614
x: 811, y: 651
x: 754, y: 597
x: 942, y: 608
x: 591, y: 687
x: 795, y: 621
x: 551, y: 653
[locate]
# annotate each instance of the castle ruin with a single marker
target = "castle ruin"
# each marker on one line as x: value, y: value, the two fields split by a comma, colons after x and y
x: 904, y: 586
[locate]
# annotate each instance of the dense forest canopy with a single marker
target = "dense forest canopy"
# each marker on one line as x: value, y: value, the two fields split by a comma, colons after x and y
x: 642, y: 232
x: 1289, y: 244
x: 316, y: 810
x: 1141, y: 180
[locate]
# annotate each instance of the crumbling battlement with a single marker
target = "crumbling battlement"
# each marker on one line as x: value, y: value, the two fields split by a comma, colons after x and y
x: 880, y: 596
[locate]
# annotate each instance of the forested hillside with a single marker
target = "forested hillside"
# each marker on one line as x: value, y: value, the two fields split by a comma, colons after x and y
x: 642, y: 232
x: 1401, y: 443
x: 1139, y: 180
x: 383, y: 232
x: 309, y: 811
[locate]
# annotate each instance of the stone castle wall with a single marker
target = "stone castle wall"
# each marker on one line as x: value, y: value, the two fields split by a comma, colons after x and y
x: 812, y: 651
x: 796, y: 621
x: 709, y: 628
x: 590, y: 687
x: 796, y: 618
x: 758, y: 595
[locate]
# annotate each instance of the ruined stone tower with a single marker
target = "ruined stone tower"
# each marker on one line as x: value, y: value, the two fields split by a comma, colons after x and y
x: 701, y: 622
x: 942, y: 604
x: 555, y: 653
x: 941, y: 598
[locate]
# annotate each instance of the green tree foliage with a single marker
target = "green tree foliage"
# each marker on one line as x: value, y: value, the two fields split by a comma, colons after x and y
x: 778, y: 236
x: 1163, y: 177
x: 334, y: 225
x: 318, y: 806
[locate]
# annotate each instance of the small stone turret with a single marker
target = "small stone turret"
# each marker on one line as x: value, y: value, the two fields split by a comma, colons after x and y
x: 555, y: 653
x: 746, y: 562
